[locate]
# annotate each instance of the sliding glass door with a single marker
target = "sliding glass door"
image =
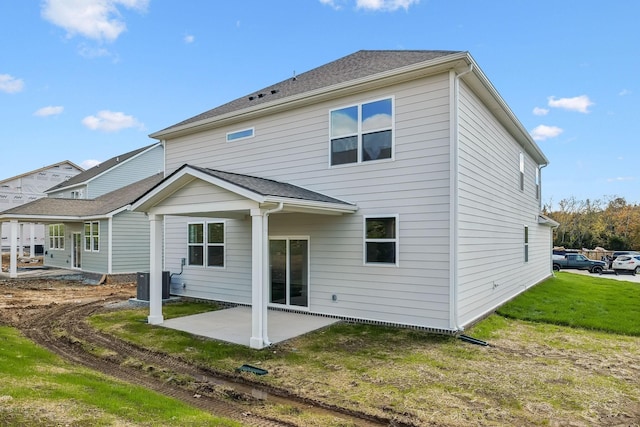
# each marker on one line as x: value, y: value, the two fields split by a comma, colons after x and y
x: 289, y: 271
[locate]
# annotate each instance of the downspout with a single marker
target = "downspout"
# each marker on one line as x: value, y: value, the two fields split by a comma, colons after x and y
x: 265, y: 271
x: 453, y: 203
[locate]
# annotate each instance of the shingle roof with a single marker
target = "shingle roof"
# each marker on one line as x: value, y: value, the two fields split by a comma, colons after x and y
x: 357, y: 65
x: 268, y: 187
x: 98, y: 169
x: 107, y: 203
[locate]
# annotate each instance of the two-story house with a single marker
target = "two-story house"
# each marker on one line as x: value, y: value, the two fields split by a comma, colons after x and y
x: 25, y: 188
x: 89, y: 225
x: 394, y: 187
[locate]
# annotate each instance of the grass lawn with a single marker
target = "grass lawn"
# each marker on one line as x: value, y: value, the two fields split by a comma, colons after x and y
x: 579, y: 301
x: 565, y: 352
x: 38, y: 388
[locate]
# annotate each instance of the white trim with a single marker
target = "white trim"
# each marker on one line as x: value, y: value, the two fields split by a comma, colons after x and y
x: 205, y: 245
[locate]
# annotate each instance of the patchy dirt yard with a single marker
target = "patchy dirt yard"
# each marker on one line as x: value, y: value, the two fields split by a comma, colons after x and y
x: 51, y: 312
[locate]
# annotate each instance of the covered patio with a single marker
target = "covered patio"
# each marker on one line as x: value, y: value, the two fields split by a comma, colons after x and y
x: 233, y: 325
x: 194, y: 191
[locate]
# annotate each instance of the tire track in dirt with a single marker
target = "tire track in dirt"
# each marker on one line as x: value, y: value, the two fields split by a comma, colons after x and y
x: 63, y: 329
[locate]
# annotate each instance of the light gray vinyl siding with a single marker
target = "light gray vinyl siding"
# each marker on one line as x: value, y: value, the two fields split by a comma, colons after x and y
x: 294, y: 147
x: 60, y: 258
x: 130, y: 245
x: 493, y: 212
x: 129, y: 171
x: 97, y: 261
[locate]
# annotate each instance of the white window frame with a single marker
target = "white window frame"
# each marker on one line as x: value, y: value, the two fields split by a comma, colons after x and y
x: 526, y: 243
x: 231, y: 136
x: 396, y: 240
x: 521, y: 171
x: 76, y: 194
x: 56, y: 240
x: 538, y: 183
x: 359, y: 133
x: 91, y: 240
x: 206, y: 244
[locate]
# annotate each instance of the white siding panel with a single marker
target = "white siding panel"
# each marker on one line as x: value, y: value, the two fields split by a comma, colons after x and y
x: 294, y: 147
x: 493, y: 212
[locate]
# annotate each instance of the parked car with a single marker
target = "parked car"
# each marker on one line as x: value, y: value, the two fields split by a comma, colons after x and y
x: 577, y: 262
x: 629, y: 263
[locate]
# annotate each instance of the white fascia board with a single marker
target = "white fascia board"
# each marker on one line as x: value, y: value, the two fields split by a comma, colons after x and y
x: 39, y: 218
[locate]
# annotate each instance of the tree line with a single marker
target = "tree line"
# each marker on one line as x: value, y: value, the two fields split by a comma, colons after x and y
x: 612, y: 223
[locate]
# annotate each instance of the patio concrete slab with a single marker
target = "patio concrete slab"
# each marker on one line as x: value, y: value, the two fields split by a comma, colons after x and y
x: 233, y: 325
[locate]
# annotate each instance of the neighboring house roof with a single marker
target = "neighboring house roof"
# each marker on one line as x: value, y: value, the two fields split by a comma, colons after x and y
x: 259, y: 190
x: 355, y: 66
x: 99, y: 169
x: 52, y: 208
x: 64, y: 162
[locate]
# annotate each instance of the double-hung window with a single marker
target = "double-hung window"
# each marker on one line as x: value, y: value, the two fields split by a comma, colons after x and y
x: 362, y: 133
x: 538, y: 183
x: 206, y: 244
x: 92, y: 236
x: 56, y: 236
x: 381, y: 240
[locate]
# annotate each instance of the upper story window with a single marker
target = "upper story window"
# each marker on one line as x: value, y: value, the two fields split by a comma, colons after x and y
x: 76, y: 194
x: 362, y: 132
x: 240, y: 134
x: 521, y: 171
x: 56, y: 236
x: 92, y: 236
x: 538, y: 183
x: 207, y: 244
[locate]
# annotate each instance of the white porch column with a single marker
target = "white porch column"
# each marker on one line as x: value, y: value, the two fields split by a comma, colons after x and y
x: 155, y: 267
x: 257, y: 247
x: 21, y: 240
x: 32, y: 240
x: 13, y: 256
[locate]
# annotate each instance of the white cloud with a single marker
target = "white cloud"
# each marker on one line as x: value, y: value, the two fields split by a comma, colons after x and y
x: 542, y: 132
x: 385, y: 5
x: 10, y: 84
x: 624, y: 92
x: 375, y: 5
x: 540, y: 111
x: 189, y: 38
x: 621, y: 179
x: 111, y: 121
x: 579, y: 103
x: 95, y: 19
x: 49, y: 111
x: 88, y: 164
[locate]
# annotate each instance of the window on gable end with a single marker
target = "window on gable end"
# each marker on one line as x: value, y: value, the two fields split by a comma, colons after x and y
x: 362, y: 133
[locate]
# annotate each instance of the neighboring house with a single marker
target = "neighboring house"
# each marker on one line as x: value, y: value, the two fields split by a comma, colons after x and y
x: 394, y: 187
x: 26, y: 188
x: 89, y: 223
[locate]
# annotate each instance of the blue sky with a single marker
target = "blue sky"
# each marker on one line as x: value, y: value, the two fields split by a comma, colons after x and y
x: 85, y: 80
